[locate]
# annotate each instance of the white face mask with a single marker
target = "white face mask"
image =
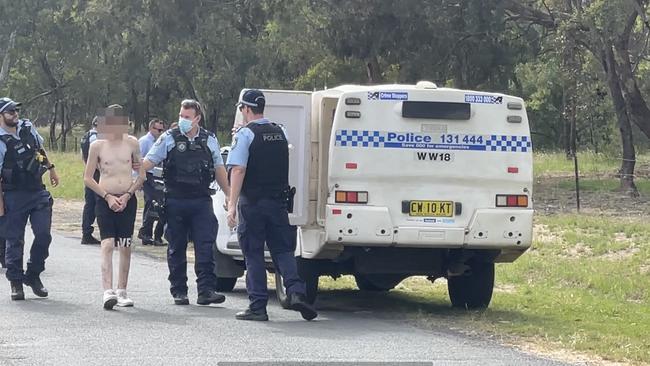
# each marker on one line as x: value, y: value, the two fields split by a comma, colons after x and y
x: 185, y: 125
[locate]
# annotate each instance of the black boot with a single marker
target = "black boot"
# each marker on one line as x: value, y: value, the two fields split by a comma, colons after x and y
x: 37, y: 286
x: 210, y: 297
x: 17, y: 292
x: 146, y: 239
x: 89, y: 239
x: 300, y: 304
x: 181, y: 299
x: 248, y: 314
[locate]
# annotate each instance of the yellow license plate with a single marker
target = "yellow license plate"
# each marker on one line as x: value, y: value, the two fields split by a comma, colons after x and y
x: 431, y: 208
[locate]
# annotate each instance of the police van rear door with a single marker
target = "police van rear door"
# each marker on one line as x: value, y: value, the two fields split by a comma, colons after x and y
x: 418, y: 166
x: 292, y: 109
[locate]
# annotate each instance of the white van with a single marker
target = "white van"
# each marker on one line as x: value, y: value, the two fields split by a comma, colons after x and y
x: 401, y: 180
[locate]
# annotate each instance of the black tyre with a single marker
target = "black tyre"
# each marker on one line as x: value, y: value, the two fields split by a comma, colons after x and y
x: 472, y: 290
x: 311, y: 289
x: 226, y: 284
x: 378, y: 281
x: 309, y: 271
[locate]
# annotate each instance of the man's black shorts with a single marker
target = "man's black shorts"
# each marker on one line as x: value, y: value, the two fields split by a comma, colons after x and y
x: 118, y: 225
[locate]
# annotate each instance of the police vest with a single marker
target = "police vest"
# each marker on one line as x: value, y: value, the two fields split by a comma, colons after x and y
x: 267, y: 171
x: 85, y: 143
x: 21, y: 169
x: 189, y: 169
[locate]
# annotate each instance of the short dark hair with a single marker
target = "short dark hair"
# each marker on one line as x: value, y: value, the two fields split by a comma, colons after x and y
x: 114, y: 110
x: 193, y: 104
x: 156, y: 121
x: 257, y: 110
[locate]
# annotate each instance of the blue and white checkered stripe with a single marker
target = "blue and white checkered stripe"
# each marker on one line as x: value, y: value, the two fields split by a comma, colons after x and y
x: 378, y: 139
x: 356, y: 138
x: 508, y: 143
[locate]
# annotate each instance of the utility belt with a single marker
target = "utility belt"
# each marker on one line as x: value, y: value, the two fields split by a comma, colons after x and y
x: 285, y: 195
x: 22, y: 180
x: 158, y: 209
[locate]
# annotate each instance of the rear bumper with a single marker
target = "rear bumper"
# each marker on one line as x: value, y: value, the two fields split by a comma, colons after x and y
x: 373, y: 226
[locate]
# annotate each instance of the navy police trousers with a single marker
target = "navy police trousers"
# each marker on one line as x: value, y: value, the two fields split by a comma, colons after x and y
x: 267, y: 221
x: 193, y: 216
x: 20, y: 206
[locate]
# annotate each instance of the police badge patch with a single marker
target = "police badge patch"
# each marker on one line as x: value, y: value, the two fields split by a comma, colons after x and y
x: 182, y: 147
x: 234, y: 142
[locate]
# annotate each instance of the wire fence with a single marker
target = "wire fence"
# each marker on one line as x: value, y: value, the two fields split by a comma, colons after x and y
x: 72, y: 145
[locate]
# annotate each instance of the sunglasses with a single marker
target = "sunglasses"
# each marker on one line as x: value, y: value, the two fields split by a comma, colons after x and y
x: 11, y: 112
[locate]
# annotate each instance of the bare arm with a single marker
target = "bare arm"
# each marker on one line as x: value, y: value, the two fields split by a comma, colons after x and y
x: 222, y: 179
x: 91, y: 166
x: 237, y: 175
x: 136, y: 160
x: 147, y: 165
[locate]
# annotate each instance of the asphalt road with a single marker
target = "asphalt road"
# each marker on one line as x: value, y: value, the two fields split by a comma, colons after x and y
x: 71, y: 327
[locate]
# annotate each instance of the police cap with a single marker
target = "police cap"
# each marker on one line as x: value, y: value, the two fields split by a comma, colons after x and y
x: 252, y: 98
x: 8, y: 105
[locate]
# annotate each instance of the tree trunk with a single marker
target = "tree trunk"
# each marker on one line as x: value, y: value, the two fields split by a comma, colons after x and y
x: 53, y: 125
x: 629, y: 154
x: 133, y: 106
x: 372, y: 70
x: 63, y: 136
x: 147, y: 100
x: 6, y: 61
x: 637, y: 106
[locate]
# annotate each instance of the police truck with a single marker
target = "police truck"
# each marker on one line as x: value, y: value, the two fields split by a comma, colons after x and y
x: 394, y: 181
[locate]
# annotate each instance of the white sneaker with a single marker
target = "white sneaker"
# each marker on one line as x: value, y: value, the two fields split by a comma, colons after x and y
x: 110, y: 299
x: 122, y: 299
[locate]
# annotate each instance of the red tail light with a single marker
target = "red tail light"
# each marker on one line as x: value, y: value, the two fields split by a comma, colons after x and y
x: 512, y: 200
x: 351, y: 197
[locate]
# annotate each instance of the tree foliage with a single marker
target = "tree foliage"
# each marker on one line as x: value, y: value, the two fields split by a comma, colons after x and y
x: 569, y: 59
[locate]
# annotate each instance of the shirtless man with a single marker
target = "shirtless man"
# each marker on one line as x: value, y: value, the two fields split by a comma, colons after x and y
x: 114, y: 153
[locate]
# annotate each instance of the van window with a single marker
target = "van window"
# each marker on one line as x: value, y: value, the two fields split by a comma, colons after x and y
x: 436, y: 110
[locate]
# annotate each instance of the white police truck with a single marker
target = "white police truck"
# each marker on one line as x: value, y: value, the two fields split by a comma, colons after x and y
x: 401, y: 180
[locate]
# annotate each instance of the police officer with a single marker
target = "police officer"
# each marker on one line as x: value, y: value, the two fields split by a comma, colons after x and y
x: 90, y: 197
x: 151, y: 193
x: 191, y: 162
x: 23, y: 162
x: 259, y: 178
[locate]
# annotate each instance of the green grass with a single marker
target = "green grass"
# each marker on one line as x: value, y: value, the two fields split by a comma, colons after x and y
x: 585, y: 286
x: 70, y: 169
x: 589, y: 163
x: 604, y: 185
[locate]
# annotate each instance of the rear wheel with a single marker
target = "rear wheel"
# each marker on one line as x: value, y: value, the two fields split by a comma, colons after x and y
x: 308, y: 273
x: 472, y: 290
x: 280, y: 291
x: 378, y: 281
x: 311, y: 288
x: 226, y: 284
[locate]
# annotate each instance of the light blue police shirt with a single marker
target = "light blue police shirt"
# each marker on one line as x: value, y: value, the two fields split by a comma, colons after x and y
x: 146, y: 142
x: 165, y: 143
x: 242, y: 141
x: 21, y: 123
x: 93, y: 136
